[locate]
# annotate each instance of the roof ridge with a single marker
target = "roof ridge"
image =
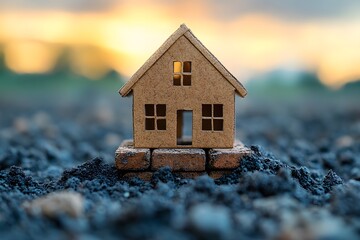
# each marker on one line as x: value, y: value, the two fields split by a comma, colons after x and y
x: 183, y: 30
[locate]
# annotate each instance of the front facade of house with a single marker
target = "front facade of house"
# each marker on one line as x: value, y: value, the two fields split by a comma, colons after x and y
x: 183, y: 80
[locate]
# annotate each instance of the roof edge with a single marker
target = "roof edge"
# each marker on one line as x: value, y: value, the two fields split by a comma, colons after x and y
x: 183, y: 30
x: 239, y: 88
x: 126, y: 89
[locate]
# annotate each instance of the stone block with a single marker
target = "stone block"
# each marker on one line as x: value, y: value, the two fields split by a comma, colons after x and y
x: 129, y: 158
x: 227, y: 158
x: 179, y: 159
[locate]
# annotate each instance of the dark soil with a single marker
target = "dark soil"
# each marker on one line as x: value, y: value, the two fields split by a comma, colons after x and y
x: 303, y: 182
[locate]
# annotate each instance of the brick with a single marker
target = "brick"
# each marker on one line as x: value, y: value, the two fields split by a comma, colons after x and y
x: 218, y: 174
x: 179, y: 159
x: 129, y: 158
x: 227, y: 158
x: 146, y: 176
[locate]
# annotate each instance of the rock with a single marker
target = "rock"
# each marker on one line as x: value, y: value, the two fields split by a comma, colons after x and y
x: 21, y: 125
x: 331, y: 179
x: 306, y: 180
x: 344, y: 141
x: 211, y: 220
x: 57, y: 203
x: 315, y: 224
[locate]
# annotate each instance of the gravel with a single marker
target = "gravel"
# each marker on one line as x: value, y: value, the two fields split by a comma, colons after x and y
x: 58, y: 179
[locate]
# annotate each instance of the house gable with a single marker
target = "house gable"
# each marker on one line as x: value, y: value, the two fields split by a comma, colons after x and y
x: 183, y: 31
x: 157, y: 87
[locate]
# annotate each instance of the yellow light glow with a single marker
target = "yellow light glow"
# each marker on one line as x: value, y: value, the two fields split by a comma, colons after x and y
x: 89, y: 62
x: 339, y: 67
x: 30, y: 57
x: 125, y: 36
x: 177, y: 67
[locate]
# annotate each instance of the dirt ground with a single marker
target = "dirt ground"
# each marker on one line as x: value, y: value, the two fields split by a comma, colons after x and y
x: 58, y: 180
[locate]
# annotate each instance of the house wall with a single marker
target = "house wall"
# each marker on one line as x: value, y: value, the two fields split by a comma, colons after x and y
x: 208, y: 87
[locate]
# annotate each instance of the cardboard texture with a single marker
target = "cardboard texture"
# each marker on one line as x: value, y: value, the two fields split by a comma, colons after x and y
x: 182, y: 76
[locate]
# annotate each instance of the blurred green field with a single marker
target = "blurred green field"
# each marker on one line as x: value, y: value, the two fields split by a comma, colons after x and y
x: 65, y: 84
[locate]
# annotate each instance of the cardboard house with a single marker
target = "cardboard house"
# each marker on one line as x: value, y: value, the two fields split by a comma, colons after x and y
x: 183, y: 87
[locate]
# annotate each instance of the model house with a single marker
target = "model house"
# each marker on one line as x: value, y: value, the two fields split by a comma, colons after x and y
x: 183, y: 86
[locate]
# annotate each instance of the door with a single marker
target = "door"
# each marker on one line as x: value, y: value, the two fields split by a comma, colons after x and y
x: 184, y: 127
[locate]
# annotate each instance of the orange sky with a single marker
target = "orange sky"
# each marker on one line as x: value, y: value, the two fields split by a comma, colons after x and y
x: 123, y: 36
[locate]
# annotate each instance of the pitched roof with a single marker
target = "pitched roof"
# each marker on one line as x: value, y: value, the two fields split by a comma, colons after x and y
x: 183, y: 30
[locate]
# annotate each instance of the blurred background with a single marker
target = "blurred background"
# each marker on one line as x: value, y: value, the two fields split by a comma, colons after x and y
x: 93, y: 38
x: 61, y: 55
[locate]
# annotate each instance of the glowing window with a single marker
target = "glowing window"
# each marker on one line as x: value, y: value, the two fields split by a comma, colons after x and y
x: 182, y: 73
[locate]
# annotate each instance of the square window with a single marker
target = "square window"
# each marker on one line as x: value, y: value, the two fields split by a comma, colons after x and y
x: 206, y: 110
x: 161, y: 124
x: 177, y: 67
x: 218, y: 110
x: 177, y: 80
x: 218, y: 124
x: 206, y: 124
x: 212, y: 117
x: 187, y: 80
x: 149, y: 110
x: 161, y: 110
x: 149, y: 124
x: 187, y: 67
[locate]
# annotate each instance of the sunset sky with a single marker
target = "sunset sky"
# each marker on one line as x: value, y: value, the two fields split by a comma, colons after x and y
x: 249, y: 37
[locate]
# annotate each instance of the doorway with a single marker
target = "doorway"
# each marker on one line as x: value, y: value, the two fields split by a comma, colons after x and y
x: 184, y: 127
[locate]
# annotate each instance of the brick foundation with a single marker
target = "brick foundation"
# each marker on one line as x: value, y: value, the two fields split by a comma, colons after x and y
x: 189, y: 163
